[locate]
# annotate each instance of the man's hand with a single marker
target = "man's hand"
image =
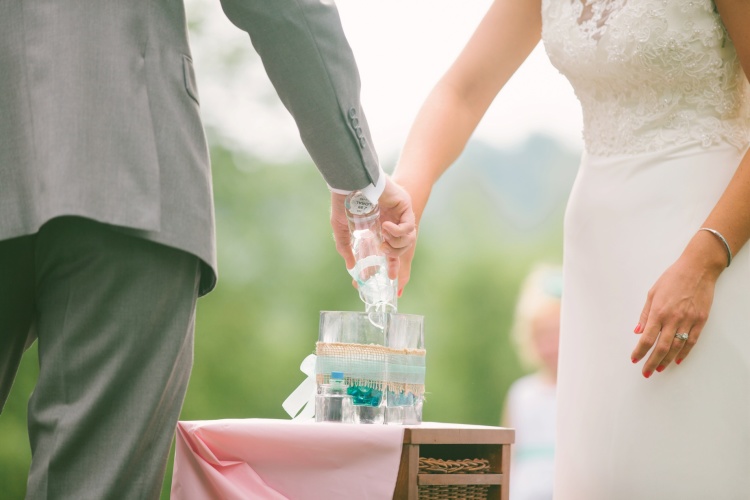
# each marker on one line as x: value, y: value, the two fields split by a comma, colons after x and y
x: 398, y: 226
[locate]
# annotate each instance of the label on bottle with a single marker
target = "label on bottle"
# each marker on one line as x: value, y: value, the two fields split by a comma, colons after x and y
x: 360, y: 205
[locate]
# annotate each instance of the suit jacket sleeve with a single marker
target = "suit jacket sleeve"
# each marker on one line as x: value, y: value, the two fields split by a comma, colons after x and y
x: 309, y: 61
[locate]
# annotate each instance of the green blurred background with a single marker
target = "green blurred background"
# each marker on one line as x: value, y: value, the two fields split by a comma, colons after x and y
x: 491, y: 217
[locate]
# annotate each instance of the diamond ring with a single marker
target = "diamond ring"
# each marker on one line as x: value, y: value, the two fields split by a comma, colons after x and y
x: 681, y: 336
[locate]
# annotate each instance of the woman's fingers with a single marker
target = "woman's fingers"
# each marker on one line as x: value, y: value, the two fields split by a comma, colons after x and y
x: 397, y: 220
x: 676, y: 310
x: 688, y: 345
x: 393, y: 266
x: 639, y: 328
x: 678, y: 343
x: 404, y: 272
x: 665, y: 346
x: 397, y: 239
x: 650, y: 338
x: 649, y: 329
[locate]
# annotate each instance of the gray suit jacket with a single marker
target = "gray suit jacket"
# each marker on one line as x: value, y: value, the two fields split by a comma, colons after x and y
x: 99, y: 112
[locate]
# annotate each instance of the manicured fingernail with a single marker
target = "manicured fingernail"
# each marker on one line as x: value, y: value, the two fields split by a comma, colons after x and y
x: 634, y: 360
x: 400, y: 292
x: 678, y: 361
x: 648, y: 374
x: 637, y: 328
x: 660, y: 368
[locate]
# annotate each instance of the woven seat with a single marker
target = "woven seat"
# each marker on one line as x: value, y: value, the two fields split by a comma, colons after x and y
x: 453, y: 491
x: 454, y: 461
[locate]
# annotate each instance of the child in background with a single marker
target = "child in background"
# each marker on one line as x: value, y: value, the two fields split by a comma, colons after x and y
x: 530, y: 404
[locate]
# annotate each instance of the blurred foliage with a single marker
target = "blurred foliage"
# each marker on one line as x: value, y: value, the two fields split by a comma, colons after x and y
x: 279, y: 269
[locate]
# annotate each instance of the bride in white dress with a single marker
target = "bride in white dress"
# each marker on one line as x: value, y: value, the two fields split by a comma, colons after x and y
x: 666, y: 129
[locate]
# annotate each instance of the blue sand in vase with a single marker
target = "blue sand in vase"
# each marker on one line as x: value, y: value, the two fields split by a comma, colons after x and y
x: 364, y: 396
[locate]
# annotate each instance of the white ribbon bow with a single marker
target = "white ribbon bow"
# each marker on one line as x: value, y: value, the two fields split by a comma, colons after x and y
x: 361, y: 265
x: 304, y: 394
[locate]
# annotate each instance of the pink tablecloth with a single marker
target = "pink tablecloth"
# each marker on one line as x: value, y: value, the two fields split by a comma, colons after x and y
x: 281, y: 459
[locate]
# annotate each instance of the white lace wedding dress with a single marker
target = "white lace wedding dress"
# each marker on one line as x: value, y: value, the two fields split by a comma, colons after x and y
x: 666, y: 114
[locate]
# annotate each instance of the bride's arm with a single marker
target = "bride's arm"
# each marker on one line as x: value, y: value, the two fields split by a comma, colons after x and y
x: 681, y: 299
x: 501, y: 42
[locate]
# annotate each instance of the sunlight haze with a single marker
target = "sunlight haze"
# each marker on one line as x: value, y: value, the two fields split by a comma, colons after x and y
x: 402, y: 48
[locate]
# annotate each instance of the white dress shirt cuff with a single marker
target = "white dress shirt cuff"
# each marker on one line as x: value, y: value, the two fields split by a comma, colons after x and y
x: 371, y: 191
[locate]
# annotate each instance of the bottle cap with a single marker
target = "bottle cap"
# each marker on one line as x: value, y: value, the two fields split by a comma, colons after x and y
x: 357, y: 204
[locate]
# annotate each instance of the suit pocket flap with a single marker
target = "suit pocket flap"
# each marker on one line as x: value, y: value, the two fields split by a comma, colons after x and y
x: 189, y: 77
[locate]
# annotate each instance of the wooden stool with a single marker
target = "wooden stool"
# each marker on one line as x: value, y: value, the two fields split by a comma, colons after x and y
x: 452, y: 443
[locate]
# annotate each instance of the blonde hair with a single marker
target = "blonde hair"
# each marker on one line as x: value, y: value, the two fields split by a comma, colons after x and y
x: 541, y: 289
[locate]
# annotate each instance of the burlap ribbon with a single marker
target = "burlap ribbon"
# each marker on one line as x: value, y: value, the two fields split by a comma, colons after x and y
x: 371, y: 365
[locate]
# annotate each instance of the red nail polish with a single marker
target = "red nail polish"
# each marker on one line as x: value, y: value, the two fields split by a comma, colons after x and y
x: 637, y: 328
x: 400, y: 292
x: 647, y: 374
x: 678, y: 361
x: 660, y: 368
x: 633, y: 360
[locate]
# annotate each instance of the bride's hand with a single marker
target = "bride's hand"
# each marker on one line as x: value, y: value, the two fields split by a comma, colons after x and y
x: 398, y: 228
x: 677, y: 304
x: 404, y: 270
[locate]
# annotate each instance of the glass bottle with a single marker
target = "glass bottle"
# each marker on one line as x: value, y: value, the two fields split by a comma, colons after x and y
x: 332, y: 403
x: 376, y: 289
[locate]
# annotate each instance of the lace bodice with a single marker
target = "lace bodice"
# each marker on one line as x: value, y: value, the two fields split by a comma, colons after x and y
x: 649, y: 73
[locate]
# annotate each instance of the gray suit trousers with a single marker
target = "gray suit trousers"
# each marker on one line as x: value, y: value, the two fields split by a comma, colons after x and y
x: 114, y: 317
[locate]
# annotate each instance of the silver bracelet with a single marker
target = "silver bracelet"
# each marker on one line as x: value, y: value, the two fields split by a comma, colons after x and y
x: 723, y: 240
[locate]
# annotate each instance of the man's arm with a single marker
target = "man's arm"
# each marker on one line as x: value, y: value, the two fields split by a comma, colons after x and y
x: 309, y: 61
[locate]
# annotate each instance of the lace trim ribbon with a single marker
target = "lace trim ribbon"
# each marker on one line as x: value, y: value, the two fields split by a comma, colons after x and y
x: 371, y: 365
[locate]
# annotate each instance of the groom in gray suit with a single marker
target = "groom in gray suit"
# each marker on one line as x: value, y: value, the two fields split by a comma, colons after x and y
x: 106, y: 213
